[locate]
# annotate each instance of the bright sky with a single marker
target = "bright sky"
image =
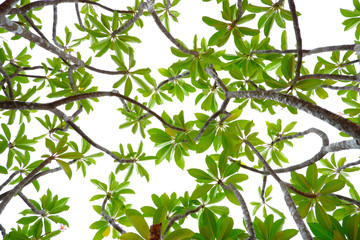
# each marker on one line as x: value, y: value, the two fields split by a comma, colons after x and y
x: 320, y: 25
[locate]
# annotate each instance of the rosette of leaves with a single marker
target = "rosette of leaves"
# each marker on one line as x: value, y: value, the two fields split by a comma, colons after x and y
x: 115, y: 206
x: 197, y: 63
x: 134, y: 159
x: 319, y: 188
x: 173, y: 144
x: 353, y: 18
x: 130, y: 76
x: 103, y: 29
x: 40, y: 226
x: 225, y: 29
x: 274, y: 12
x: 136, y: 117
x: 20, y: 142
x: 270, y: 229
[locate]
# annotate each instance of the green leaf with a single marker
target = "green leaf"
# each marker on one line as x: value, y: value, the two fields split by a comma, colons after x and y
x: 237, y: 178
x: 65, y: 166
x: 138, y: 221
x: 201, y: 191
x: 180, y: 234
x: 130, y: 236
x: 200, y: 174
x: 332, y: 186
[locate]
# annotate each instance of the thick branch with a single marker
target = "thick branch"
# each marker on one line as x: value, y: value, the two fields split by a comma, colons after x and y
x: 22, y: 32
x: 21, y: 184
x: 330, y: 76
x: 323, y: 114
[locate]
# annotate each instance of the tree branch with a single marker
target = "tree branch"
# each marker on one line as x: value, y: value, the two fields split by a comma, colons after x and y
x: 304, y: 231
x: 178, y: 217
x: 22, y: 32
x: 21, y: 184
x: 323, y: 114
x: 9, y: 179
x: 30, y: 205
x: 172, y: 79
x: 353, y: 88
x: 109, y: 219
x: 245, y: 210
x: 39, y: 4
x: 307, y: 52
x: 330, y: 76
x: 132, y: 20
x: 150, y: 7
x: 52, y: 105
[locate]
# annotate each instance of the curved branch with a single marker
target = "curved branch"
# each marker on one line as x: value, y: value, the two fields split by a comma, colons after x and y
x: 321, y: 134
x: 39, y: 4
x: 158, y: 22
x: 52, y: 105
x: 132, y: 20
x: 22, y: 32
x: 180, y: 216
x: 323, y: 114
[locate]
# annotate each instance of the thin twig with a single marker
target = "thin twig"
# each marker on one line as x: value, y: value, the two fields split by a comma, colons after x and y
x: 32, y: 24
x: 212, y: 118
x: 30, y: 205
x: 185, y: 74
x: 54, y: 27
x: 262, y: 194
x: 132, y: 20
x: 8, y: 81
x: 109, y: 219
x: 339, y: 169
x: 244, y: 208
x: 9, y: 179
x: 150, y: 7
x: 175, y: 218
x: 78, y: 16
x: 240, y: 13
x: 3, y: 231
x: 321, y: 134
x: 353, y: 88
x: 304, y: 231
